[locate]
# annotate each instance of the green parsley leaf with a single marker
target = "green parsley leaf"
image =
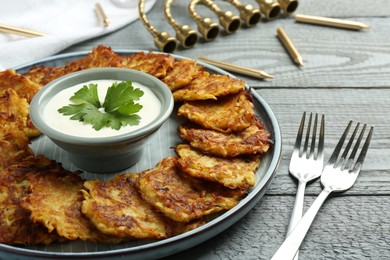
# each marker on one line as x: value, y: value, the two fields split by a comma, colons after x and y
x: 87, y: 94
x: 119, y: 107
x: 97, y: 119
x: 121, y: 94
x: 117, y: 120
x: 130, y: 108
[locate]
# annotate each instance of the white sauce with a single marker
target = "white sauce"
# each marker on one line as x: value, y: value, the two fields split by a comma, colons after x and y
x: 150, y: 110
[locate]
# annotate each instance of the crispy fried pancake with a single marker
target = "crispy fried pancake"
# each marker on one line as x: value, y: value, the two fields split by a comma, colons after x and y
x: 13, y: 142
x: 207, y: 86
x: 15, y: 224
x: 21, y: 84
x: 116, y: 208
x: 178, y: 228
x: 13, y: 106
x: 253, y: 140
x: 181, y: 197
x: 182, y: 73
x: 100, y: 57
x: 44, y: 74
x: 229, y: 114
x: 237, y: 172
x: 55, y: 199
x: 155, y: 64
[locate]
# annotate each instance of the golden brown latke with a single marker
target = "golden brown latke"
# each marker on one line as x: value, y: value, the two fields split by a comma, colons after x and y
x: 181, y: 197
x: 17, y: 108
x: 116, y: 208
x: 207, y: 86
x: 101, y: 56
x: 54, y: 200
x: 21, y: 84
x: 16, y: 226
x: 44, y: 74
x: 13, y: 142
x: 253, y: 140
x: 232, y: 113
x: 155, y: 64
x: 178, y: 228
x: 182, y: 73
x: 238, y: 172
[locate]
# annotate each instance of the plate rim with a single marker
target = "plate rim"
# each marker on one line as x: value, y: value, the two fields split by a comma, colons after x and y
x: 190, y: 238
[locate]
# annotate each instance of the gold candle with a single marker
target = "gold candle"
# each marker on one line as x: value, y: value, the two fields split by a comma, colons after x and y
x: 289, y: 46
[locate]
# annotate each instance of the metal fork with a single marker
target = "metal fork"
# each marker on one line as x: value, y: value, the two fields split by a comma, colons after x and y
x: 306, y: 164
x: 339, y: 174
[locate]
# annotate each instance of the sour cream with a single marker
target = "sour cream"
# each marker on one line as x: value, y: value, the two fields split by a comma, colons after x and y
x: 150, y: 111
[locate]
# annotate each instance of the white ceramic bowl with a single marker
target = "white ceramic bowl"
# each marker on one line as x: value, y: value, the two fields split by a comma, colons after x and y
x: 102, y: 154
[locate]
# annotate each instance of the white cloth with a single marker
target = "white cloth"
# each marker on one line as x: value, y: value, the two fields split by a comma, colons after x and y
x: 66, y: 22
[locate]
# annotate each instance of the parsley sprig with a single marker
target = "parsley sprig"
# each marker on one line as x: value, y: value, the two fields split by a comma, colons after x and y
x: 117, y: 110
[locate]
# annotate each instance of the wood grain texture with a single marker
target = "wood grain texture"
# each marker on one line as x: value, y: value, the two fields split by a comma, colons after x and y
x: 333, y: 57
x: 346, y: 77
x: 346, y: 228
x: 369, y: 106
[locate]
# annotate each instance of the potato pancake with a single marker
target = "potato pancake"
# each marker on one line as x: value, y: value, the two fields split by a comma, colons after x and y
x: 16, y: 226
x: 207, y: 86
x: 13, y: 142
x: 253, y: 140
x: 100, y: 57
x: 181, y: 197
x: 178, y: 228
x: 155, y: 64
x: 116, y: 208
x: 237, y: 172
x: 13, y: 106
x: 229, y: 114
x: 182, y: 73
x: 44, y: 74
x: 54, y: 200
x: 19, y: 83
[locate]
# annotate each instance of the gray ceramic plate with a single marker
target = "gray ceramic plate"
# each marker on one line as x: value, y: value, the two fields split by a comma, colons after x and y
x: 157, y: 148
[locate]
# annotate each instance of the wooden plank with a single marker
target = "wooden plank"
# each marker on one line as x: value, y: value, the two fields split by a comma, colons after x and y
x: 345, y: 9
x: 333, y: 57
x: 339, y: 105
x: 345, y: 228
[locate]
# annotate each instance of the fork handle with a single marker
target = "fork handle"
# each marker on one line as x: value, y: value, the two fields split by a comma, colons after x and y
x: 296, y: 214
x: 291, y: 245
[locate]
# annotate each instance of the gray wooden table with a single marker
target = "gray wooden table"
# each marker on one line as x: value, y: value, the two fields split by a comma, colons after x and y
x: 347, y: 77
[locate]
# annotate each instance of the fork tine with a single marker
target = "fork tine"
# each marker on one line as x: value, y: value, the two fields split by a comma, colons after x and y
x: 349, y: 162
x: 335, y: 154
x: 320, y: 152
x: 351, y: 139
x: 355, y: 149
x: 313, y: 138
x: 298, y: 140
x: 304, y: 152
x: 362, y: 155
